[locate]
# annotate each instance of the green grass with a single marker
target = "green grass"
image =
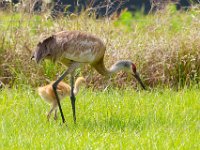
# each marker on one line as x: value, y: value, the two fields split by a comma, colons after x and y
x: 114, y: 119
x: 164, y: 46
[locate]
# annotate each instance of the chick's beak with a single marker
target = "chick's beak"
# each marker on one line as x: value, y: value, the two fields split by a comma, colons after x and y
x: 32, y: 57
x: 137, y: 76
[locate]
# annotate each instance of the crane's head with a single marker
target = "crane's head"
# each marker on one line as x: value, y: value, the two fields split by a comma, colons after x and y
x: 136, y: 75
x: 127, y: 66
x: 43, y: 50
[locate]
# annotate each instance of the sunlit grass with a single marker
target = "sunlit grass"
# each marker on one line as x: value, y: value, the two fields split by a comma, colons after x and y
x: 113, y: 119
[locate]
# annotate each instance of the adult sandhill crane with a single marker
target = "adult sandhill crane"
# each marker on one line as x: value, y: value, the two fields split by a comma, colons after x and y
x: 74, y: 48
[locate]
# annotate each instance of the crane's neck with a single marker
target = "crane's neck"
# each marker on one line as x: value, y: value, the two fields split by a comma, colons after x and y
x: 77, y: 84
x: 118, y: 66
x: 124, y: 65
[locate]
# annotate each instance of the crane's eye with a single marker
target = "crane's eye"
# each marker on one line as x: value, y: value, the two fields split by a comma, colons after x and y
x: 126, y: 65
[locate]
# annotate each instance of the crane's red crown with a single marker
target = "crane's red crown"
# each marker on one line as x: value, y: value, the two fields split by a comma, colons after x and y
x: 133, y: 67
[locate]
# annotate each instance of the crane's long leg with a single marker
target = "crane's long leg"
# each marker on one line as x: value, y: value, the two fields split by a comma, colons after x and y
x: 71, y: 69
x: 73, y: 98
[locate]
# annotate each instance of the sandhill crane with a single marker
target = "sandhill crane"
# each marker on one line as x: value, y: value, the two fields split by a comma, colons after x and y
x: 63, y: 90
x: 74, y: 48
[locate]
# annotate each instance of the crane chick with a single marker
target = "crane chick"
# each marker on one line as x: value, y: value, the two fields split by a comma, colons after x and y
x: 63, y: 89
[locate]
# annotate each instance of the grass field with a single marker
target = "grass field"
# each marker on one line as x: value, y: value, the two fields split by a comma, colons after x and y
x: 165, y: 47
x: 113, y: 119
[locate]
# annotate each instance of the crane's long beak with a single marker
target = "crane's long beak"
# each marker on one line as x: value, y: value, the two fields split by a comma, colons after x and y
x: 137, y: 76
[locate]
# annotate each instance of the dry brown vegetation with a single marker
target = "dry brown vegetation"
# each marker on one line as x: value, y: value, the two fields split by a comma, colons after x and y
x: 165, y: 47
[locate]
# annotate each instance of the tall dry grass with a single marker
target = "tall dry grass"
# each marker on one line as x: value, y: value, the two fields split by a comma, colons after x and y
x: 165, y: 47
